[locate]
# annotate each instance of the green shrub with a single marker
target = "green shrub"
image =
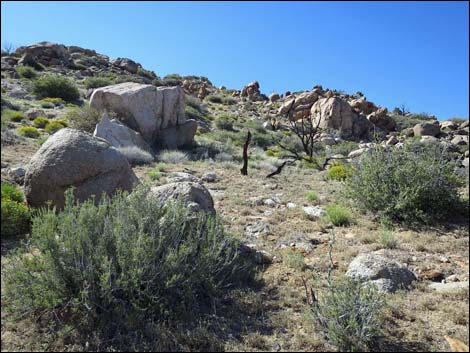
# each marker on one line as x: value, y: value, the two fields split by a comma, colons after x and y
x: 15, y: 214
x: 294, y: 260
x: 28, y: 131
x: 56, y: 87
x: 338, y: 215
x: 11, y: 192
x: 49, y: 102
x: 40, y: 122
x: 84, y: 119
x: 154, y: 174
x: 121, y: 268
x: 96, y: 82
x: 26, y: 72
x: 413, y: 185
x: 224, y: 122
x: 388, y: 240
x: 54, y: 126
x: 146, y: 73
x: 338, y: 172
x: 312, y: 196
x: 214, y: 98
x: 350, y: 315
x: 12, y: 115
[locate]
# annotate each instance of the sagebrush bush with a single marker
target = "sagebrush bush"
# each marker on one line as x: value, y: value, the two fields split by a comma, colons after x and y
x: 54, y: 126
x: 214, y: 98
x: 40, y: 122
x: 173, y: 157
x: 28, y: 131
x: 84, y: 119
x: 154, y: 174
x: 350, y: 315
x: 15, y: 213
x: 120, y: 268
x: 136, y: 155
x: 49, y: 102
x: 413, y: 185
x: 56, y: 87
x: 338, y: 215
x: 26, y: 72
x: 96, y: 82
x: 338, y: 172
x: 224, y: 122
x: 311, y: 196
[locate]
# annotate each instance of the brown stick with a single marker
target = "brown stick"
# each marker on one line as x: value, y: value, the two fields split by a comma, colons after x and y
x: 244, y: 169
x: 277, y: 171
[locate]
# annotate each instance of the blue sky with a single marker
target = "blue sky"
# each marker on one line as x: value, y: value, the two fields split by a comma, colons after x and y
x: 416, y: 53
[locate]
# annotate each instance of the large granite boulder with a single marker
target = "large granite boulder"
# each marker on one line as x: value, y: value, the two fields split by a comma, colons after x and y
x: 193, y: 195
x: 45, y: 53
x: 427, y: 129
x: 381, y: 120
x: 126, y: 65
x: 176, y: 136
x: 75, y: 158
x: 144, y: 108
x: 336, y: 113
x: 119, y: 135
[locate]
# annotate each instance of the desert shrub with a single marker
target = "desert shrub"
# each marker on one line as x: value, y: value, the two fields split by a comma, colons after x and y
x: 413, y: 185
x: 11, y: 192
x: 294, y: 260
x: 229, y: 101
x: 349, y: 315
x: 223, y: 157
x: 84, y: 119
x: 338, y: 172
x: 52, y: 102
x: 56, y: 87
x: 136, y: 155
x: 173, y: 157
x: 388, y: 240
x: 120, y: 268
x: 146, y: 73
x: 311, y: 196
x: 15, y: 213
x: 338, y: 215
x: 54, y: 126
x: 96, y: 82
x: 224, y: 122
x: 28, y: 131
x: 26, y: 72
x: 154, y: 174
x: 344, y: 148
x: 214, y: 98
x: 458, y: 120
x: 12, y: 115
x: 40, y: 122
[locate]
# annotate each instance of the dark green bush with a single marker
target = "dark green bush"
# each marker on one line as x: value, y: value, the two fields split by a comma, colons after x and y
x: 123, y: 267
x: 84, y: 118
x: 413, y: 185
x: 26, y: 72
x: 56, y: 87
x: 28, y: 131
x: 40, y: 122
x: 15, y: 213
x: 96, y: 82
x: 350, y: 315
x: 214, y: 98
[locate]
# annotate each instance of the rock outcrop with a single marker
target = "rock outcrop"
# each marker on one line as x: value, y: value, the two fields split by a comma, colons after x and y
x: 158, y: 113
x: 252, y: 92
x: 72, y: 158
x: 427, y: 129
x: 336, y: 113
x: 119, y: 135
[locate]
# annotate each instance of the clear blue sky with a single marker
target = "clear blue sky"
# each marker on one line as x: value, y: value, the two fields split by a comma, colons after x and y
x: 415, y: 53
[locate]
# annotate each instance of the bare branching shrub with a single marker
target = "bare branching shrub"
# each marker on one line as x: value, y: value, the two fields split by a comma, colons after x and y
x: 84, y: 119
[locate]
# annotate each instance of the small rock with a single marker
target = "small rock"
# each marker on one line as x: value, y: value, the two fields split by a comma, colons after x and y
x: 269, y: 202
x: 452, y: 278
x: 449, y: 287
x: 314, y: 212
x: 262, y: 257
x: 209, y: 177
x: 291, y: 205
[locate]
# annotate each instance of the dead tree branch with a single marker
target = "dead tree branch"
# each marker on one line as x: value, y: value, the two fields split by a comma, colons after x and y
x: 244, y: 169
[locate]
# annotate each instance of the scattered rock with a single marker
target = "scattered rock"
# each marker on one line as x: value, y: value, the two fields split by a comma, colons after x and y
x: 209, y: 177
x: 178, y: 177
x: 314, y: 212
x: 426, y: 129
x: 384, y: 272
x: 452, y: 287
x: 263, y: 257
x: 274, y: 97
